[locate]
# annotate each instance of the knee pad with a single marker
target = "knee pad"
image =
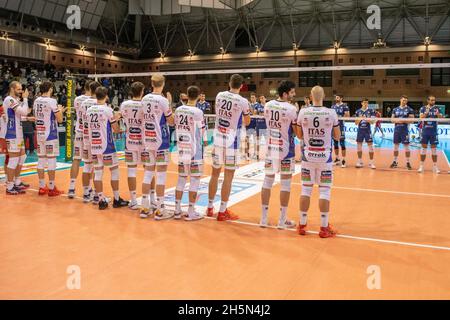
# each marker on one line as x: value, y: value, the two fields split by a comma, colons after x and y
x: 336, y: 144
x: 13, y: 163
x: 342, y: 143
x: 98, y: 174
x: 22, y: 159
x: 371, y: 149
x: 115, y: 174
x: 181, y: 183
x: 42, y: 162
x: 161, y: 178
x: 51, y: 164
x: 396, y: 147
x: 325, y: 193
x: 286, y: 185
x: 423, y: 151
x: 268, y: 182
x: 307, y: 191
x: 434, y: 151
x: 194, y: 184
x: 87, y: 168
x: 132, y: 172
x: 148, y: 176
x: 407, y: 148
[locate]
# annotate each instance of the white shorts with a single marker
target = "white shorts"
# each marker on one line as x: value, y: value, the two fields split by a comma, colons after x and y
x: 48, y: 148
x: 317, y: 173
x: 134, y: 157
x: 155, y: 157
x: 286, y: 166
x: 78, y: 147
x: 105, y: 160
x: 193, y: 169
x: 225, y: 157
x: 87, y: 154
x: 15, y: 145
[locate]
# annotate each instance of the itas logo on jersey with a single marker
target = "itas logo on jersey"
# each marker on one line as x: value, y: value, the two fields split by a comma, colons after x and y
x: 316, y: 132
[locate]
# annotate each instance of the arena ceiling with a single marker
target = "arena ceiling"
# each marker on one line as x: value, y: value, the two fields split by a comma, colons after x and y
x: 148, y: 28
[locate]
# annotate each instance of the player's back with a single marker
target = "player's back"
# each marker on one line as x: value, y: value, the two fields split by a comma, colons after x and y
x: 156, y: 132
x: 85, y: 105
x: 13, y: 118
x: 100, y: 130
x: 317, y: 124
x: 79, y: 111
x: 279, y: 117
x: 189, y: 126
x: 230, y: 107
x: 131, y: 111
x: 46, y: 124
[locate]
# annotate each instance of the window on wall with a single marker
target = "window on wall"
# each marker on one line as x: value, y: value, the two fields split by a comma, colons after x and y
x: 402, y: 72
x: 276, y: 75
x: 212, y: 76
x: 358, y: 73
x: 312, y: 78
x: 440, y: 76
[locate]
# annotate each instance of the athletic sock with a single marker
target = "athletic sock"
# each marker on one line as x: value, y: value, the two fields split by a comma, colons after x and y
x: 303, y: 218
x: 210, y: 204
x: 41, y: 183
x: 86, y: 190
x: 10, y: 185
x: 17, y: 182
x: 324, y: 219
x: 283, y: 215
x: 191, y: 208
x: 177, y: 205
x: 223, y: 206
x: 145, y: 202
x: 133, y: 196
x: 116, y: 195
x: 265, y: 210
x: 100, y: 196
x: 153, y: 196
x: 395, y: 159
x: 72, y: 184
x: 51, y: 185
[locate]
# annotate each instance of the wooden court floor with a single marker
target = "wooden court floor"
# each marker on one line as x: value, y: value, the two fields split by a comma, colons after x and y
x: 397, y: 221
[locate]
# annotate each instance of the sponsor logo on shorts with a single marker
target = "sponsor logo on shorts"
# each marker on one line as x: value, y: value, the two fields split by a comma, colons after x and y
x: 108, y: 160
x: 326, y: 177
x: 195, y: 168
x: 306, y: 175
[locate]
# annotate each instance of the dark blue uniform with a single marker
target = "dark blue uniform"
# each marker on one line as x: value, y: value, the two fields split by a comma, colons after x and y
x: 401, y: 131
x: 429, y: 129
x: 340, y: 111
x: 364, y: 130
x: 261, y: 125
x: 251, y: 128
x: 205, y: 106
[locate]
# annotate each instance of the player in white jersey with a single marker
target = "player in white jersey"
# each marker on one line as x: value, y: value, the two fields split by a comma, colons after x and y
x: 78, y: 145
x: 48, y: 114
x: 191, y: 135
x: 281, y: 119
x: 87, y: 156
x: 102, y: 120
x: 232, y: 112
x: 157, y: 115
x: 131, y: 111
x: 14, y: 110
x: 316, y: 126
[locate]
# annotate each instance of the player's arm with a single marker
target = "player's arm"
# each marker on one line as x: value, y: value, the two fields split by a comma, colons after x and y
x: 169, y: 114
x: 116, y: 116
x: 246, y: 115
x: 298, y: 130
x: 23, y: 109
x: 357, y: 122
x: 336, y: 129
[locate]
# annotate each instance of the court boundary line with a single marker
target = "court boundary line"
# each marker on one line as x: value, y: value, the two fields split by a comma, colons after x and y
x: 343, y: 236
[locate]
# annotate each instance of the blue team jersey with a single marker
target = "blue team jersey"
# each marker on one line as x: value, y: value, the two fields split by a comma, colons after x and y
x: 260, y: 123
x: 340, y: 111
x: 400, y: 112
x: 368, y: 113
x: 205, y: 106
x: 430, y: 127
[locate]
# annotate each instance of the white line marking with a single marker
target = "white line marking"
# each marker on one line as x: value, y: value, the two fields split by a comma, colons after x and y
x: 401, y: 243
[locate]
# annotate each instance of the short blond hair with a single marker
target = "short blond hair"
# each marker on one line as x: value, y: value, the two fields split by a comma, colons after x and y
x: 158, y: 80
x: 317, y: 93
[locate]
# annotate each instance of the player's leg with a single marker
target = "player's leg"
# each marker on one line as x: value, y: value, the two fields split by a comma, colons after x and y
x: 325, y: 183
x: 149, y: 175
x: 337, y: 161
x: 269, y: 179
x: 75, y: 169
x: 52, y: 152
x: 408, y: 155
x: 181, y: 184
x: 41, y: 165
x: 161, y: 176
x: 98, y: 181
x: 344, y: 152
x: 434, y: 157
x: 194, y: 185
x: 359, y: 148
x: 285, y: 192
x: 247, y: 145
x: 308, y: 178
x: 224, y: 213
x: 17, y: 181
x: 14, y: 154
x: 115, y: 177
x: 369, y: 141
x: 132, y: 163
x: 87, y: 175
x: 423, y: 153
x: 218, y: 158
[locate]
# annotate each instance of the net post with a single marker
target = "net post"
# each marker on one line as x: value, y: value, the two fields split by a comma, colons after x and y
x: 69, y: 119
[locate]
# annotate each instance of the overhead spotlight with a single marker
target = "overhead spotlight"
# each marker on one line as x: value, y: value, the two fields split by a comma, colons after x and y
x: 111, y: 53
x: 82, y: 47
x: 336, y: 45
x: 5, y: 35
x: 294, y: 46
x: 379, y: 44
x: 258, y: 49
x: 190, y: 53
x: 427, y: 41
x: 162, y: 55
x: 48, y: 43
x: 222, y: 51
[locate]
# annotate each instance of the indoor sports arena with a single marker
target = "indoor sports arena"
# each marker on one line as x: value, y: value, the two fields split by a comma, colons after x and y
x: 224, y: 149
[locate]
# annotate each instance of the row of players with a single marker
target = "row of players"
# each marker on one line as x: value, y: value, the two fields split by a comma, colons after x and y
x: 147, y: 143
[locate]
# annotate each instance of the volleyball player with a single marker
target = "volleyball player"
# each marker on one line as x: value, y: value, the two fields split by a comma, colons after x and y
x: 157, y: 115
x: 281, y: 119
x: 102, y: 120
x: 231, y: 108
x: 14, y: 110
x: 429, y: 133
x: 191, y: 134
x: 401, y: 131
x: 364, y: 132
x: 131, y: 111
x: 88, y: 193
x: 48, y: 114
x: 316, y: 126
x: 378, y: 125
x: 3, y: 147
x: 78, y: 145
x: 260, y: 122
x: 342, y: 110
x: 250, y: 130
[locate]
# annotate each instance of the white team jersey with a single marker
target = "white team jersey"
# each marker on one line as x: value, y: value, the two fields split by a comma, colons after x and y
x: 85, y: 105
x: 99, y: 119
x: 14, y: 111
x: 45, y: 109
x: 79, y: 112
x: 317, y: 124
x: 132, y: 116
x: 156, y: 132
x: 190, y: 129
x: 280, y: 116
x: 230, y: 107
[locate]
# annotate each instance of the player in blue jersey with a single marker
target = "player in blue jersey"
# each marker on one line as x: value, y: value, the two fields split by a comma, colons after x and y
x: 342, y: 110
x: 429, y: 132
x: 251, y: 128
x: 364, y: 132
x: 401, y: 131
